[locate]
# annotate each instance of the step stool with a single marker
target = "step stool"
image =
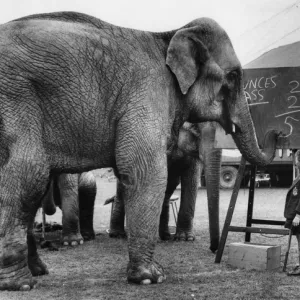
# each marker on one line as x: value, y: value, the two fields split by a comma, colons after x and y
x: 254, y: 256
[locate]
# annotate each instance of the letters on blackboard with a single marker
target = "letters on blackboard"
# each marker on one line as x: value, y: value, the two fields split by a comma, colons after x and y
x: 255, y: 89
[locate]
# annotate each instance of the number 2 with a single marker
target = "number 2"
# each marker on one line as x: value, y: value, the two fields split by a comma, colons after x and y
x: 294, y: 102
x: 293, y: 90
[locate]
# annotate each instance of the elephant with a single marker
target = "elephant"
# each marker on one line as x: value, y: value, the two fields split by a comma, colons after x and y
x: 77, y: 93
x: 195, y: 152
x: 185, y: 164
x: 75, y: 195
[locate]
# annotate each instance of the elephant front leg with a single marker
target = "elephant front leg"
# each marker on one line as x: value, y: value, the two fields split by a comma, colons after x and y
x: 68, y: 188
x: 189, y: 186
x: 141, y: 168
x: 143, y: 204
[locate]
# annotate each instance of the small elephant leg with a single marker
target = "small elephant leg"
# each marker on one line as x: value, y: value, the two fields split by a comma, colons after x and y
x: 87, y: 194
x: 117, y: 229
x: 68, y: 189
x: 189, y: 186
x: 173, y: 181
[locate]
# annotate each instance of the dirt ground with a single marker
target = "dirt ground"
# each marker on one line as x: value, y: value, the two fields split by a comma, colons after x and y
x: 97, y: 269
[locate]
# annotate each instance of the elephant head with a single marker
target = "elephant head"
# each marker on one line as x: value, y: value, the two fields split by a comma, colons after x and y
x: 210, y: 78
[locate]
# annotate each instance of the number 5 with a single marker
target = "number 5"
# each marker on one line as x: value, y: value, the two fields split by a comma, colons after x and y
x: 291, y: 126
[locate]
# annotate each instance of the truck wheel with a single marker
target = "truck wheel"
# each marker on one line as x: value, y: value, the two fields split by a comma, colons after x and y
x: 227, y: 177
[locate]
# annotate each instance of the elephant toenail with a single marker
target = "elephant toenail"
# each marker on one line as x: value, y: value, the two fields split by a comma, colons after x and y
x: 81, y: 242
x: 160, y: 279
x: 74, y: 243
x: 66, y: 243
x: 146, y: 281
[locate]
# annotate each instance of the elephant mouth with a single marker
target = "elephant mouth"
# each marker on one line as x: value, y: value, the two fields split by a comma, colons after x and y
x: 232, y: 129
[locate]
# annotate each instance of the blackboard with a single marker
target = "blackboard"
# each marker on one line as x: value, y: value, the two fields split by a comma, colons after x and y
x: 273, y: 96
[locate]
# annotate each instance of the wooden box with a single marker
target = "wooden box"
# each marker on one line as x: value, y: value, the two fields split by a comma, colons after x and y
x: 254, y: 256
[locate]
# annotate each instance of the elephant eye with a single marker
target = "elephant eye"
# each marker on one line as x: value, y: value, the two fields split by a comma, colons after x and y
x: 232, y: 76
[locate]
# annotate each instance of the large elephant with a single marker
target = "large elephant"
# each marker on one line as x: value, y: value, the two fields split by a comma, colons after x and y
x: 195, y: 148
x: 77, y: 94
x: 75, y: 195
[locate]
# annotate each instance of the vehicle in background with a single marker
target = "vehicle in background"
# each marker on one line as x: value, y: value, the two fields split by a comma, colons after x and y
x: 279, y: 173
x: 262, y: 179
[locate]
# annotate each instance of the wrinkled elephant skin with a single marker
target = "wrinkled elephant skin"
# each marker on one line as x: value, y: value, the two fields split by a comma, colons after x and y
x: 77, y: 94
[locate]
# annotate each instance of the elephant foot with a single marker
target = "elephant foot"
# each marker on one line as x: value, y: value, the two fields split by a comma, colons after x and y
x: 88, y: 235
x: 119, y: 234
x: 36, y: 266
x: 214, y: 246
x: 145, y: 273
x: 182, y: 235
x: 17, y: 280
x: 165, y: 235
x: 72, y: 240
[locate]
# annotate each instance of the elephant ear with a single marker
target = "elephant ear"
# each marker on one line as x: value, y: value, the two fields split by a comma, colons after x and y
x: 186, y: 53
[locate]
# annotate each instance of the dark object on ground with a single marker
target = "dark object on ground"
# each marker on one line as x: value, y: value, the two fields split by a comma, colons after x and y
x: 49, y: 227
x: 295, y: 272
x: 48, y: 244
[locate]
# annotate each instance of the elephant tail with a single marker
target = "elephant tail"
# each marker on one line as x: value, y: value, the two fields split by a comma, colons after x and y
x: 48, y: 203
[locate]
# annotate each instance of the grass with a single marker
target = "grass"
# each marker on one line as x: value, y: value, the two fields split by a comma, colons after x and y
x: 97, y: 269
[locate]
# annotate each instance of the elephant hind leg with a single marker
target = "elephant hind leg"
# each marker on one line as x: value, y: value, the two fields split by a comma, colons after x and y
x: 23, y: 181
x: 189, y: 186
x: 117, y: 221
x: 173, y: 181
x: 68, y: 190
x: 36, y: 266
x: 87, y: 191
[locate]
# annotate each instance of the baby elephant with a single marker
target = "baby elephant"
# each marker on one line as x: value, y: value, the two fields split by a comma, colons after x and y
x: 75, y: 195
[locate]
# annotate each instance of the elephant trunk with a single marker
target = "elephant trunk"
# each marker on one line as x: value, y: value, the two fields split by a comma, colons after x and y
x: 246, y: 141
x: 212, y: 165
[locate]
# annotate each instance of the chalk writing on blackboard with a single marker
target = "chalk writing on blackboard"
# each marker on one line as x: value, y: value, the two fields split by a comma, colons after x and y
x: 292, y: 107
x: 290, y: 125
x: 294, y: 84
x: 293, y: 90
x: 255, y: 89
